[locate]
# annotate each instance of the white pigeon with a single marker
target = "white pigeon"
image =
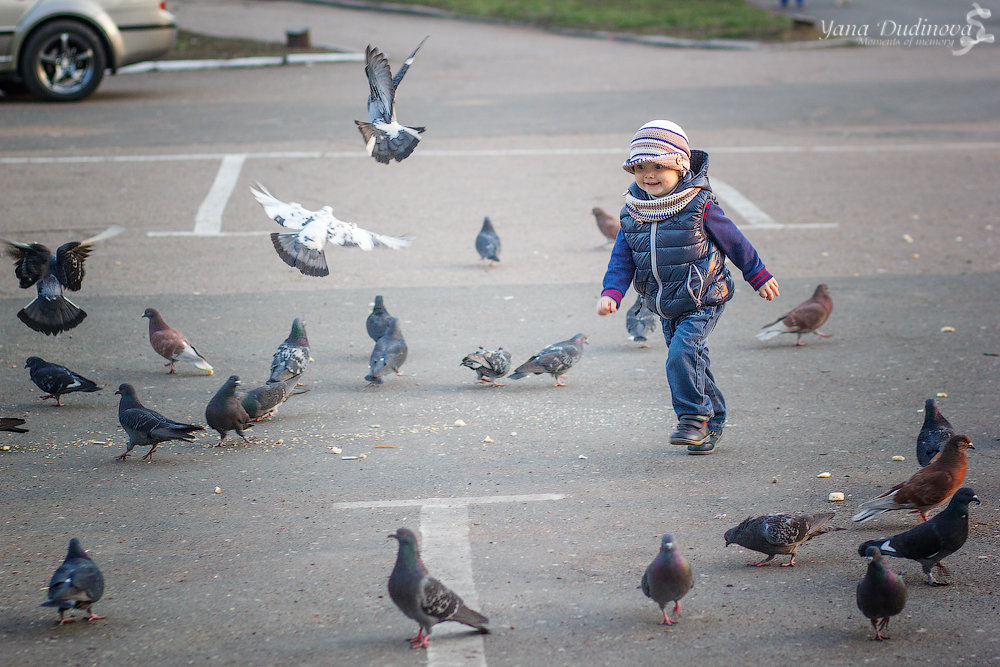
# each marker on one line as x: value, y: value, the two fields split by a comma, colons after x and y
x: 385, y: 138
x: 303, y: 248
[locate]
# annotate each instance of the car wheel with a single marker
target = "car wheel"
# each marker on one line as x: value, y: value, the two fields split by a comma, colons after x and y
x: 63, y: 62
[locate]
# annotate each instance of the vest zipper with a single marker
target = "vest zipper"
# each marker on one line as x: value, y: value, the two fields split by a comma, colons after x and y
x: 652, y: 266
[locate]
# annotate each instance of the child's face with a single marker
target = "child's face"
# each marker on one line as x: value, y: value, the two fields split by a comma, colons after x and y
x: 655, y: 179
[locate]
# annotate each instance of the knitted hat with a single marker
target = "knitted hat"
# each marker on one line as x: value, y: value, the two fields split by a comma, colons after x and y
x: 662, y: 142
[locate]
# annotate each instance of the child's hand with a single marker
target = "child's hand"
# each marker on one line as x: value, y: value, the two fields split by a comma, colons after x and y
x: 769, y: 290
x: 606, y: 305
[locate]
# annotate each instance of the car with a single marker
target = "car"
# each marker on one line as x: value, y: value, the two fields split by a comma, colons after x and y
x: 60, y: 49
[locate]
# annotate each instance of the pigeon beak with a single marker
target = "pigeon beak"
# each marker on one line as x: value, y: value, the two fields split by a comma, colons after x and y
x: 392, y: 536
x: 978, y: 501
x: 971, y: 446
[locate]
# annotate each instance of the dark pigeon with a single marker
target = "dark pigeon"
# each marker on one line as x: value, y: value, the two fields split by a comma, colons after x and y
x: 147, y: 427
x: 881, y: 594
x: 11, y: 424
x: 388, y: 354
x: 640, y: 321
x: 377, y: 323
x: 490, y: 365
x: 935, y: 432
x: 292, y: 355
x: 929, y: 543
x: 774, y: 534
x: 488, y: 242
x: 263, y: 401
x: 422, y: 597
x: 51, y: 312
x: 385, y: 138
x: 224, y: 413
x: 76, y: 584
x: 607, y: 224
x: 553, y: 359
x: 57, y: 380
x: 173, y: 345
x: 667, y: 579
x: 807, y: 317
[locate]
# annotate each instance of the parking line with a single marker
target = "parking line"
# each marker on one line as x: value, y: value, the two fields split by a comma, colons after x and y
x: 208, y: 220
x: 752, y: 214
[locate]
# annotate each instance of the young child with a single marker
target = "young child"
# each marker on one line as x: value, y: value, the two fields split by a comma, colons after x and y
x: 673, y: 246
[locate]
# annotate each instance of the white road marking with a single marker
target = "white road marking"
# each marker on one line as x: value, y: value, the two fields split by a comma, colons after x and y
x: 208, y: 220
x: 752, y: 214
x: 448, y: 502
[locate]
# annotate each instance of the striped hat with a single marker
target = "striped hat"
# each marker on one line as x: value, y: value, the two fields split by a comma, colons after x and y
x: 662, y: 142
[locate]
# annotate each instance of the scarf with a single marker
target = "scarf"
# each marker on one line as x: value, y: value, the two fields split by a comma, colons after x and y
x: 658, y: 209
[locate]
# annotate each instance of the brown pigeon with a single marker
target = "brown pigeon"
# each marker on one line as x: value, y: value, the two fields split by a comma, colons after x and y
x: 171, y: 344
x: 807, y: 317
x: 609, y: 225
x: 928, y: 487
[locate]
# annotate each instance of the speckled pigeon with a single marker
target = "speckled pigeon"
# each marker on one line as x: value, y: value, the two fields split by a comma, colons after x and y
x: 51, y: 312
x: 929, y: 543
x: 76, y: 584
x: 12, y: 424
x: 774, y: 534
x: 422, y: 597
x: 881, y: 594
x: 147, y: 427
x: 488, y: 242
x: 377, y: 323
x: 934, y: 434
x: 263, y: 401
x: 640, y: 321
x: 554, y: 359
x: 172, y: 345
x: 667, y: 579
x: 388, y: 354
x: 57, y: 380
x: 607, y: 224
x: 304, y: 247
x: 292, y: 355
x: 807, y: 317
x: 385, y: 138
x: 224, y: 413
x: 490, y: 365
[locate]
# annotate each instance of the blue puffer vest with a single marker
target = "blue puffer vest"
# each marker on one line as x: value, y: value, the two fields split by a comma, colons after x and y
x: 687, y: 270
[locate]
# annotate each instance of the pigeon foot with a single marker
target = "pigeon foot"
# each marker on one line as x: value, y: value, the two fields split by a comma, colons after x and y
x: 149, y: 454
x: 94, y: 617
x: 666, y: 619
x: 422, y: 643
x: 761, y: 563
x: 122, y: 457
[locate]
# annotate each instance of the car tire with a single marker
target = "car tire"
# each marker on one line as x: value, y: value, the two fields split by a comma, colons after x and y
x: 63, y: 61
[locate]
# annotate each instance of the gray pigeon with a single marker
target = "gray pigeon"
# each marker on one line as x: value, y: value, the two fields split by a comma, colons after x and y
x: 388, y: 354
x: 774, y: 534
x: 807, y: 317
x: 422, y: 597
x: 11, y: 424
x: 57, y: 380
x: 881, y: 594
x: 147, y: 427
x: 224, y: 413
x: 51, y: 312
x: 935, y: 432
x: 929, y: 543
x: 488, y: 243
x: 640, y: 321
x: 292, y: 355
x: 667, y: 579
x: 377, y: 323
x: 553, y: 359
x: 385, y: 138
x: 263, y: 401
x: 76, y: 584
x: 490, y: 365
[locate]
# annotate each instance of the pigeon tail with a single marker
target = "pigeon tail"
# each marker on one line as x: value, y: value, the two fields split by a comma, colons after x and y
x: 51, y: 317
x: 293, y: 253
x: 769, y: 331
x: 472, y: 618
x: 384, y: 147
x: 517, y: 375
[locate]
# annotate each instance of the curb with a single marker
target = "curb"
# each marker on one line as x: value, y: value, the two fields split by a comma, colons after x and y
x: 232, y: 63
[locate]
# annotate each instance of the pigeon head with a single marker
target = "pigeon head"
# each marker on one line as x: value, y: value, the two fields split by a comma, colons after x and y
x: 667, y: 542
x: 965, y: 495
x: 151, y: 313
x: 873, y: 552
x: 298, y: 333
x: 821, y: 290
x: 76, y: 550
x: 580, y: 339
x: 233, y: 380
x: 960, y: 442
x: 733, y: 533
x: 32, y: 362
x: 404, y: 536
x: 125, y: 389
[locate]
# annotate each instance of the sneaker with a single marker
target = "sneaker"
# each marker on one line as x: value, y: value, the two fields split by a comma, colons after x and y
x: 708, y: 445
x: 689, y: 432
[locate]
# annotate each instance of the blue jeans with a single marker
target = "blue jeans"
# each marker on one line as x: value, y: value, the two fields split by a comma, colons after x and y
x: 693, y: 391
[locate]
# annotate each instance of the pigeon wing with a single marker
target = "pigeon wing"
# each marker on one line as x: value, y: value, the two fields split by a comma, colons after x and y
x: 783, y: 529
x: 30, y: 261
x: 287, y: 214
x: 406, y: 65
x: 70, y: 257
x: 437, y: 600
x: 380, y: 83
x: 920, y: 542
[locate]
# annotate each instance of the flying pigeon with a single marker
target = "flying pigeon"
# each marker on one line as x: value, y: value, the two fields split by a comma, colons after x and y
x: 807, y: 317
x: 147, y: 427
x: 640, y: 321
x: 172, y: 345
x: 377, y: 323
x: 488, y: 243
x: 774, y: 534
x: 931, y: 542
x: 57, y: 380
x: 388, y: 354
x: 76, y: 584
x: 490, y: 365
x: 881, y: 594
x: 292, y: 355
x: 385, y: 139
x: 928, y: 487
x: 553, y: 359
x: 224, y: 413
x: 263, y: 401
x: 667, y: 579
x: 11, y: 424
x: 934, y: 433
x: 422, y: 597
x: 51, y: 312
x: 303, y: 248
x: 608, y: 225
